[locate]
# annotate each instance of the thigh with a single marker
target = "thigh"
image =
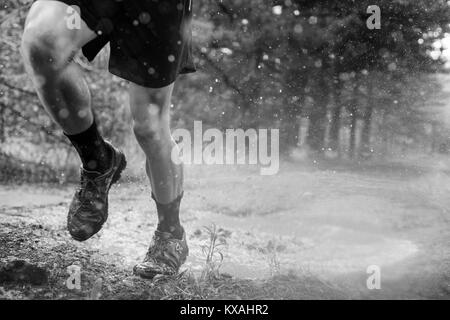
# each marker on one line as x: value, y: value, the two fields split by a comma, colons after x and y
x: 59, y: 24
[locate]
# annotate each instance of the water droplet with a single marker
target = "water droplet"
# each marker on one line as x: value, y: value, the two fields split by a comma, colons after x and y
x: 144, y: 17
x: 63, y: 113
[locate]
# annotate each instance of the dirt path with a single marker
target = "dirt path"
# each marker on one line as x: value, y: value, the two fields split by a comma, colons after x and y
x: 305, y: 233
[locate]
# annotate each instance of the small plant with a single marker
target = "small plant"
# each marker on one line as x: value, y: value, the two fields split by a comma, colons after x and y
x: 213, y: 253
x: 188, y: 286
x: 273, y: 259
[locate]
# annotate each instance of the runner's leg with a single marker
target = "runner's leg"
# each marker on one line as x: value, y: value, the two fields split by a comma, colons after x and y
x: 151, y: 113
x: 48, y: 48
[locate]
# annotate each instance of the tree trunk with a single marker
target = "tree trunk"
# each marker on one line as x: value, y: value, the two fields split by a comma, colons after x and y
x: 293, y: 122
x: 2, y: 125
x: 316, y: 131
x: 366, y: 150
x: 353, y: 109
x: 298, y: 80
x: 293, y: 131
x: 353, y: 118
x: 335, y: 125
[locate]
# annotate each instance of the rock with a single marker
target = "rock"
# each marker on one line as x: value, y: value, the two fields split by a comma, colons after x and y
x: 19, y: 271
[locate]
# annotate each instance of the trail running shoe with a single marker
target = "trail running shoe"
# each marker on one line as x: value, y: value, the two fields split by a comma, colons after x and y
x: 164, y: 257
x: 89, y: 208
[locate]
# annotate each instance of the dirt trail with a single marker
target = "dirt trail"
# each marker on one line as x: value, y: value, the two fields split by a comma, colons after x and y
x: 305, y: 221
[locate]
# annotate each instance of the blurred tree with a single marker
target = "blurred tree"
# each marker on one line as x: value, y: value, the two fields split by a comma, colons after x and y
x: 268, y: 64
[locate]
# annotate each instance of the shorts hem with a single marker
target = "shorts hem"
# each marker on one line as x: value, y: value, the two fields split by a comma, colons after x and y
x: 157, y: 84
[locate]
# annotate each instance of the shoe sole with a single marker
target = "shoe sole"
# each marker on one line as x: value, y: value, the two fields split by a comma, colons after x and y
x: 147, y: 276
x: 152, y: 274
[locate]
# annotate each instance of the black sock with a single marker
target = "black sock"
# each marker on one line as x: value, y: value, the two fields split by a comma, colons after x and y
x: 169, y: 217
x: 93, y: 150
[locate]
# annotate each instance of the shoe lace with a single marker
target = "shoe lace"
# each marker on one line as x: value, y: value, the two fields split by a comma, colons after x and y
x: 157, y: 248
x: 88, y: 188
x: 164, y: 251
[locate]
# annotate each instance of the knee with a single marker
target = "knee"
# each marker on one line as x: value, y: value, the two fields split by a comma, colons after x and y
x: 44, y: 51
x: 150, y: 131
x: 151, y: 115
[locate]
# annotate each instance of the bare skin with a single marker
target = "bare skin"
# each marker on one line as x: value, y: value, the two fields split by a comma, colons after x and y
x: 150, y: 109
x: 48, y: 48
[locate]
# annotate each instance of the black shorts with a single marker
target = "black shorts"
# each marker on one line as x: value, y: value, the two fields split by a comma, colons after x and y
x: 150, y: 40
